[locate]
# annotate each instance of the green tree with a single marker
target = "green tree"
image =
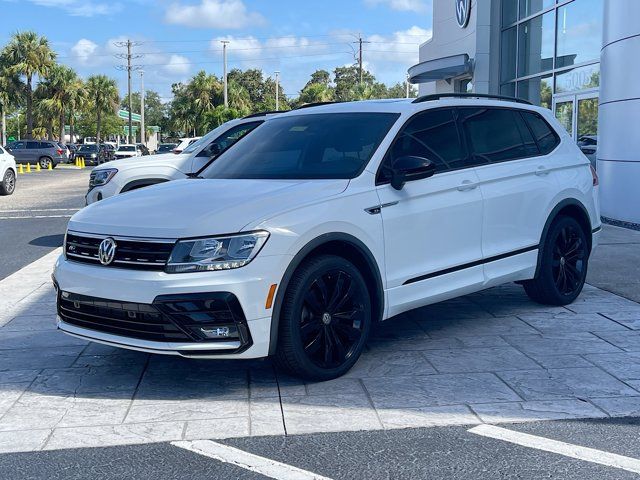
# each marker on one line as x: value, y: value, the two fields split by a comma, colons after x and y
x: 204, y: 91
x: 155, y: 111
x: 314, y: 93
x: 399, y: 90
x: 76, y: 100
x: 11, y: 90
x: 56, y: 93
x: 319, y: 77
x: 29, y: 55
x: 104, y: 98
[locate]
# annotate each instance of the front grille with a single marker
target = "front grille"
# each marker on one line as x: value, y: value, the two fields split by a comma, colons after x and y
x: 130, y: 253
x: 170, y: 318
x: 136, y: 320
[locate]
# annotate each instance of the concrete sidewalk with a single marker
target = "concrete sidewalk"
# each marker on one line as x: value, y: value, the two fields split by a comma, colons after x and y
x: 615, y: 265
x: 493, y: 356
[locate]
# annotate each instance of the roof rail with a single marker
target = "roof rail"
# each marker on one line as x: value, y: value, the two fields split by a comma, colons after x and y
x: 314, y: 104
x: 262, y: 114
x: 438, y: 96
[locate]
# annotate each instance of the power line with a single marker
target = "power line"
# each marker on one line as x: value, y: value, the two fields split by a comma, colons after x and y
x: 129, y: 68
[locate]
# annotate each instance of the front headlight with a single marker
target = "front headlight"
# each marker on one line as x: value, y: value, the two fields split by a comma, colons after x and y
x: 102, y: 176
x: 215, y: 253
x: 93, y: 155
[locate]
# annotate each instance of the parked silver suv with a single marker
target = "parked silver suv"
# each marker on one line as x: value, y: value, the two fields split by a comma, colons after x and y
x: 44, y: 152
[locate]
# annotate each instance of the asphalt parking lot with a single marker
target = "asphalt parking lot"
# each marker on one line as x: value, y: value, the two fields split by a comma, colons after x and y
x: 34, y: 218
x: 560, y: 378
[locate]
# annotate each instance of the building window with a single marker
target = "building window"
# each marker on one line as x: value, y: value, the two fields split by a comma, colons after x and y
x: 538, y: 90
x: 536, y: 45
x: 529, y: 7
x: 579, y: 32
x: 509, y: 54
x: 581, y: 78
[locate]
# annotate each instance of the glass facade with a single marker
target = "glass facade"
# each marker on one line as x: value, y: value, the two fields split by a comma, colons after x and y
x: 550, y: 47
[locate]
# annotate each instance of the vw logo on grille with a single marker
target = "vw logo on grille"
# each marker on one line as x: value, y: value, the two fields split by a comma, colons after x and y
x: 463, y: 12
x: 107, y: 251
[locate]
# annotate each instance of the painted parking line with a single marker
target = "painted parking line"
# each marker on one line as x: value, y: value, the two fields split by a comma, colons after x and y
x: 35, y: 216
x: 248, y: 461
x: 561, y: 448
x: 27, y: 210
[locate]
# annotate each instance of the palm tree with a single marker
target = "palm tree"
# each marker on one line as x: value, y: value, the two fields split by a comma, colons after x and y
x: 103, y: 93
x: 316, y: 92
x: 29, y: 54
x: 239, y: 98
x: 76, y: 100
x: 204, y: 91
x: 11, y: 90
x: 57, y: 86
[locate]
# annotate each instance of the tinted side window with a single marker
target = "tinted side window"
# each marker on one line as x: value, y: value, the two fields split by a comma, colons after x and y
x: 497, y: 135
x: 230, y: 137
x: 33, y: 145
x: 546, y: 137
x: 433, y: 135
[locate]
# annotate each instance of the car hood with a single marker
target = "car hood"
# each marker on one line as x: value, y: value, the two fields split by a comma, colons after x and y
x: 166, y: 159
x: 198, y: 207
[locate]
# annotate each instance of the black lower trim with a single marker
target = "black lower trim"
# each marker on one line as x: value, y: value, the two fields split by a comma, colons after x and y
x: 596, y: 230
x: 471, y: 264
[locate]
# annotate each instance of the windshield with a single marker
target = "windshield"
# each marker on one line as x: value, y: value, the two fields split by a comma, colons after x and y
x: 315, y: 146
x: 126, y: 148
x: 88, y: 148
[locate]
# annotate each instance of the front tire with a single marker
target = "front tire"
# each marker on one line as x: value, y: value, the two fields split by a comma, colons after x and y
x: 45, y: 162
x: 8, y: 184
x: 564, y: 258
x: 326, y: 319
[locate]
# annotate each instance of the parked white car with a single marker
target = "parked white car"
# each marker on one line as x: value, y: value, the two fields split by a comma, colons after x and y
x: 127, y: 151
x: 327, y: 220
x: 184, y: 144
x: 122, y: 176
x: 8, y: 172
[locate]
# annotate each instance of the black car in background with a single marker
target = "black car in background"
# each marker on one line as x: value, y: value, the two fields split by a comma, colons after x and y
x: 93, y: 154
x: 143, y: 148
x: 166, y: 147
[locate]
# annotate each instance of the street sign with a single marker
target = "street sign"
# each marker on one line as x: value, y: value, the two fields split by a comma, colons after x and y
x: 124, y: 114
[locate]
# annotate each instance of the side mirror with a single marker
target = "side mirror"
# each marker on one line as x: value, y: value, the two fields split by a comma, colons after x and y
x: 409, y: 168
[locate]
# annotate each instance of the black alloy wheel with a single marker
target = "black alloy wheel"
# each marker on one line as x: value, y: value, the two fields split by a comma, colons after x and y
x: 8, y: 185
x: 325, y: 320
x: 45, y: 162
x: 563, y: 263
x: 569, y: 265
x: 331, y: 321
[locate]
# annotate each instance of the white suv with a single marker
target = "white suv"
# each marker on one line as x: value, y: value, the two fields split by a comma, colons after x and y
x: 328, y: 220
x: 136, y: 171
x: 7, y: 172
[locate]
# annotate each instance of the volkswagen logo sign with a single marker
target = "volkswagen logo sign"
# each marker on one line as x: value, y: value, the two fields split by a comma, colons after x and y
x: 463, y: 12
x: 107, y: 251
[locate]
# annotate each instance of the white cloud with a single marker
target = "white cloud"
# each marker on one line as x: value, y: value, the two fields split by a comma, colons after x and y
x: 418, y: 6
x: 400, y: 47
x: 81, y: 8
x: 84, y: 51
x: 178, y: 65
x: 227, y: 14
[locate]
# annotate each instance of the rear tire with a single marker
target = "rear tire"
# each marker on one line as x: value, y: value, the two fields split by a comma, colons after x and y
x: 325, y: 320
x: 564, y: 259
x: 8, y: 184
x: 44, y: 162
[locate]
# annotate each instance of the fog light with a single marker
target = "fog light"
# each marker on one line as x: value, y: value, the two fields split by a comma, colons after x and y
x: 219, y: 332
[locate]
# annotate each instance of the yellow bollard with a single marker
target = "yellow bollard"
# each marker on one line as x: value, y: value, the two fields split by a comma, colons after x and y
x: 77, y: 162
x: 28, y: 168
x: 83, y: 165
x: 20, y: 169
x: 50, y: 167
x: 38, y: 168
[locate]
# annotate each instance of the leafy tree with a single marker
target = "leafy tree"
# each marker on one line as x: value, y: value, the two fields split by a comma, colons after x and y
x: 399, y: 90
x: 104, y: 97
x: 77, y: 97
x: 314, y: 93
x: 11, y: 90
x: 319, y: 77
x: 29, y: 55
x: 220, y: 115
x: 155, y: 111
x: 346, y: 78
x: 55, y: 97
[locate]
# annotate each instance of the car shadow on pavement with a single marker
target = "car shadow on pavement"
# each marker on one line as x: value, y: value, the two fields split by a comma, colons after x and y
x: 48, y: 241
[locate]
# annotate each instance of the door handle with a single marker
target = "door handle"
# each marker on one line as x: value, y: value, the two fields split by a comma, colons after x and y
x: 467, y: 185
x: 541, y: 171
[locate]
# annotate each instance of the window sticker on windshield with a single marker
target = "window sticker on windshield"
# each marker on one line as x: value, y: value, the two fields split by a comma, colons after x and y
x: 299, y: 128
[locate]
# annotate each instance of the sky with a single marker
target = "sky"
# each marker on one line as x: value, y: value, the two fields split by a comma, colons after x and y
x: 177, y: 38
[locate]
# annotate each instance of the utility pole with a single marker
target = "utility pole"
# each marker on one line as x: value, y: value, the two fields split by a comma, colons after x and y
x: 360, y: 42
x: 224, y: 61
x: 277, y: 90
x: 143, y: 133
x: 129, y: 68
x: 407, y: 84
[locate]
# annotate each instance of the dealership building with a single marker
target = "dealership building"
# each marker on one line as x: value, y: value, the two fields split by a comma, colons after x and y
x: 575, y: 57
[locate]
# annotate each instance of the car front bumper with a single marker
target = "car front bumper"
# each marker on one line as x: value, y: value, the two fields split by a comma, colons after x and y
x: 250, y: 285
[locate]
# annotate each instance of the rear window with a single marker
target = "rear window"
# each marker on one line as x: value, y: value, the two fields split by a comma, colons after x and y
x: 544, y: 135
x: 126, y: 148
x: 497, y: 135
